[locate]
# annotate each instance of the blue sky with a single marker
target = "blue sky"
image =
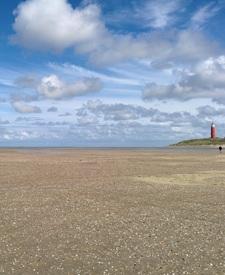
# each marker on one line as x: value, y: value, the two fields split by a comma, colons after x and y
x: 110, y: 73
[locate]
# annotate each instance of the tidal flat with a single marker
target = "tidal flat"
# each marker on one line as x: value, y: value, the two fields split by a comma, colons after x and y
x: 71, y: 211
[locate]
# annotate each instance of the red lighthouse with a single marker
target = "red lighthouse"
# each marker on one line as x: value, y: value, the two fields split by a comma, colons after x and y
x: 213, y: 131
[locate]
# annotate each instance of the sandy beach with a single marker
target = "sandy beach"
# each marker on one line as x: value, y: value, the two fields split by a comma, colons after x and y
x: 70, y: 211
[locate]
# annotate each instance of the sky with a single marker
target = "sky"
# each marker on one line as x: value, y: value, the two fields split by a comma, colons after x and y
x: 111, y: 73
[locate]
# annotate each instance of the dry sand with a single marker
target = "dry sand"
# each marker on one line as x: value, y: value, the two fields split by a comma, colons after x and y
x: 112, y: 212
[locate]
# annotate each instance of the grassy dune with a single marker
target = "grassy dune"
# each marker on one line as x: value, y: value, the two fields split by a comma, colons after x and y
x: 202, y: 141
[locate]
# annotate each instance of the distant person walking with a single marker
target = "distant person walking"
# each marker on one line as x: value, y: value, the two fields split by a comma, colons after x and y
x: 220, y: 149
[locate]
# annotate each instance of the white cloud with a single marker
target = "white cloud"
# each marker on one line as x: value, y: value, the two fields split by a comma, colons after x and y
x: 177, y: 46
x: 128, y: 112
x: 65, y: 114
x: 159, y: 13
x: 52, y: 109
x: 98, y: 122
x: 202, y: 15
x: 43, y: 24
x: 156, y: 14
x: 27, y: 81
x: 210, y: 112
x: 22, y: 107
x: 56, y: 25
x: 4, y: 122
x: 53, y: 88
x: 206, y: 80
x: 191, y: 46
x: 24, y: 134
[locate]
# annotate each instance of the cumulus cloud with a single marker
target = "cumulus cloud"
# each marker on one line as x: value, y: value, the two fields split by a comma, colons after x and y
x: 124, y: 120
x: 87, y: 120
x: 55, y: 24
x: 3, y: 121
x: 22, y: 107
x: 184, y: 46
x: 119, y: 112
x: 27, y: 119
x: 98, y: 123
x: 210, y: 112
x: 51, y: 123
x: 115, y: 112
x: 53, y: 88
x: 26, y: 81
x: 26, y: 135
x: 65, y: 114
x: 48, y: 25
x: 24, y: 96
x: 52, y: 109
x: 42, y: 24
x: 206, y: 80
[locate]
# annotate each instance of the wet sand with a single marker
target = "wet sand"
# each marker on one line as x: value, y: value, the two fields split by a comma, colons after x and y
x: 112, y: 212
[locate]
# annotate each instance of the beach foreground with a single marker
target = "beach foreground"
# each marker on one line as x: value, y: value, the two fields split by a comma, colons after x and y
x: 112, y: 212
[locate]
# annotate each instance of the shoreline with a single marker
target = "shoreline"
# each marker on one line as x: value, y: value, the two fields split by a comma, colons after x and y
x: 211, y: 146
